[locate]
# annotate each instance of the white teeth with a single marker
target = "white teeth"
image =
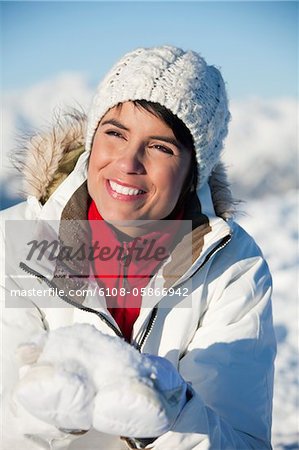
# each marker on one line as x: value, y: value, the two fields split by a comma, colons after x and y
x: 123, y: 189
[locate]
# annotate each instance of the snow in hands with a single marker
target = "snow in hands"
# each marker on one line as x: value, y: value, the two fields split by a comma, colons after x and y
x: 79, y: 377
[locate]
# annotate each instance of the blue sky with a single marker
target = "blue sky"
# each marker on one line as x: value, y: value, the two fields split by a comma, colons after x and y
x: 254, y: 43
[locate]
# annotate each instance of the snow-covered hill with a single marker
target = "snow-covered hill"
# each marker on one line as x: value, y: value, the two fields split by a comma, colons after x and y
x: 261, y: 148
x: 273, y: 223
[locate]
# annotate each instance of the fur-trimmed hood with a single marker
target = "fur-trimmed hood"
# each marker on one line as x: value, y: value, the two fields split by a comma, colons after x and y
x: 46, y: 158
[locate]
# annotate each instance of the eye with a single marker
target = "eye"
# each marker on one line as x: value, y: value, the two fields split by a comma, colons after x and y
x: 114, y: 133
x: 163, y: 149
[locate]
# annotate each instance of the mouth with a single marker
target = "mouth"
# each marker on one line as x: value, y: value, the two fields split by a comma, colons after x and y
x: 123, y: 192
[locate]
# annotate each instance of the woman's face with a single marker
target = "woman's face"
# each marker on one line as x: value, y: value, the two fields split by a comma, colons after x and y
x: 137, y: 168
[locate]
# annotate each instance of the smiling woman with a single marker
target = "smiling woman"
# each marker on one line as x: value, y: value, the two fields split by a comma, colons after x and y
x: 137, y: 168
x: 140, y: 184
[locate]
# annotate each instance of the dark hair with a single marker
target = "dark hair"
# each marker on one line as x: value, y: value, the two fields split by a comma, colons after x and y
x: 181, y: 133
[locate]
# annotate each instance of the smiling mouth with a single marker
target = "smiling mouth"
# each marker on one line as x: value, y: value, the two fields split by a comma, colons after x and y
x: 124, y: 190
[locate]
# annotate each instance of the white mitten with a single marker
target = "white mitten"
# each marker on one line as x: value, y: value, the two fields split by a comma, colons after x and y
x: 83, y: 377
x: 144, y: 406
x: 57, y: 392
x: 61, y: 395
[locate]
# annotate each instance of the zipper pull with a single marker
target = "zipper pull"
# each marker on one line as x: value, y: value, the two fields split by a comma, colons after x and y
x: 125, y: 265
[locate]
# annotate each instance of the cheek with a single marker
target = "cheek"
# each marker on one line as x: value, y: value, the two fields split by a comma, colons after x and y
x: 169, y: 184
x: 99, y: 158
x: 95, y: 164
x: 91, y: 171
x: 173, y: 178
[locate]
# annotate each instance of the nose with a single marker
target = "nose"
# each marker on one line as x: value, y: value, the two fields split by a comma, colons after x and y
x: 131, y: 159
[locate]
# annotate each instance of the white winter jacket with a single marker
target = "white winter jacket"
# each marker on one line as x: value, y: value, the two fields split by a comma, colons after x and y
x: 219, y: 336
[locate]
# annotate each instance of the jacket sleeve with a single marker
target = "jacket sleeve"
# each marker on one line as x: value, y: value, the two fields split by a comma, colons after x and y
x: 19, y: 429
x: 229, y: 363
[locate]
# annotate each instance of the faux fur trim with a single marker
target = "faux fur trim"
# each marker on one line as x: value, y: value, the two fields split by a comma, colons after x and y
x: 43, y: 156
x: 224, y: 203
x: 46, y: 159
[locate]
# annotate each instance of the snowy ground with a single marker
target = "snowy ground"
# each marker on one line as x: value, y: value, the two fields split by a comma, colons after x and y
x: 273, y: 223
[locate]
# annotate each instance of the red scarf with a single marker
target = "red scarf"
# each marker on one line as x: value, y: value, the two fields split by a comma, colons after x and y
x: 126, y: 264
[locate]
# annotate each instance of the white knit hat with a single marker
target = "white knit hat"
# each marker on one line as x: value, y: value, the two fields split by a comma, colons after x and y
x: 179, y: 80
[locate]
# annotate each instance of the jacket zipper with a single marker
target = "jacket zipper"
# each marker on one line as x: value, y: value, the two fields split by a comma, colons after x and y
x: 27, y: 269
x: 149, y: 327
x: 125, y: 266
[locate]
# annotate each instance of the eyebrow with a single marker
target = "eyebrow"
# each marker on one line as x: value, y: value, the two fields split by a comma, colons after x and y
x: 115, y: 123
x: 170, y: 140
x: 118, y: 124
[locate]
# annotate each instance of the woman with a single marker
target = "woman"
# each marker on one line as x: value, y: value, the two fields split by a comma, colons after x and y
x: 151, y: 162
